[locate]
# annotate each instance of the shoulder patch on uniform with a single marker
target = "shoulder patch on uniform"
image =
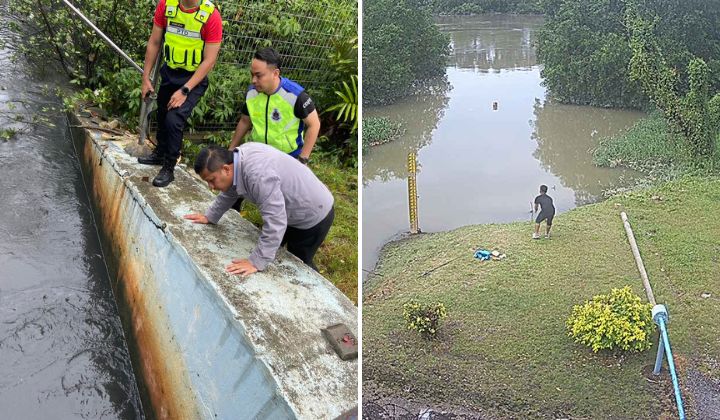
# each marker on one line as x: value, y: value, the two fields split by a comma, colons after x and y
x: 291, y: 86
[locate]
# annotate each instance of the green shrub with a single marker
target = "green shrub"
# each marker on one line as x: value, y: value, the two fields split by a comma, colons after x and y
x: 424, y: 318
x: 619, y: 319
x: 379, y: 130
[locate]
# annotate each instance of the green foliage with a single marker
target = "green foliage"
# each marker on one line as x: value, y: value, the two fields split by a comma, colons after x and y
x: 618, y: 320
x: 347, y: 108
x: 647, y: 146
x: 424, y: 318
x: 379, y: 130
x: 585, y: 47
x: 585, y: 53
x: 7, y: 133
x: 301, y: 30
x: 401, y: 48
x: 473, y: 7
x: 689, y: 114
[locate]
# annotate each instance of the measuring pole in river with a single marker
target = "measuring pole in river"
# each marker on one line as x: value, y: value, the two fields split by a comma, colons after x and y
x: 412, y: 193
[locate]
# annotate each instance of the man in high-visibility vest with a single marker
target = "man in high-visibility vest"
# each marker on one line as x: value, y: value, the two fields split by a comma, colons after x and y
x: 192, y: 31
x: 278, y: 110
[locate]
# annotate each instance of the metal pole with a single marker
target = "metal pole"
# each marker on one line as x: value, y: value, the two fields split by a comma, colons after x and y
x: 412, y: 193
x: 146, y: 106
x: 638, y: 259
x: 659, y: 357
x: 103, y: 36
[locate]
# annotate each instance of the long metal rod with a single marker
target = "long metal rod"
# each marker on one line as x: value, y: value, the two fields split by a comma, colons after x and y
x: 103, y: 36
x: 638, y: 259
x: 659, y: 357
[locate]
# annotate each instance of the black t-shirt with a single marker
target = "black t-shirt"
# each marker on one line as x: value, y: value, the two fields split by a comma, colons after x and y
x: 546, y: 203
x: 304, y: 106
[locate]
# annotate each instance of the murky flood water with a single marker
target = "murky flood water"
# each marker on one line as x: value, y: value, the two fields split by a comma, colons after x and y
x: 62, y: 350
x: 476, y: 164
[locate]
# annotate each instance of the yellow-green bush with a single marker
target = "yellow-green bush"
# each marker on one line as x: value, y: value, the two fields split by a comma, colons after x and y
x: 619, y: 319
x: 424, y: 318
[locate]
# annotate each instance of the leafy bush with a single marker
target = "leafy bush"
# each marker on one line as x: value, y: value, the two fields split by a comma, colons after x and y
x: 619, y: 319
x: 379, y: 130
x: 424, y: 318
x: 401, y: 47
x: 347, y: 106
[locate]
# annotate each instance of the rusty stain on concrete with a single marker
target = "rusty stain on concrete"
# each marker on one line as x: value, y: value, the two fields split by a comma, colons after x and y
x: 172, y: 284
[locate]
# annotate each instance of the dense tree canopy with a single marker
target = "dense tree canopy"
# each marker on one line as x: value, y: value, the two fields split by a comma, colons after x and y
x: 401, y: 48
x: 585, y: 46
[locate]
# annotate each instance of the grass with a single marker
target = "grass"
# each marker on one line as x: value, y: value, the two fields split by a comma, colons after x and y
x: 649, y: 147
x: 504, y: 348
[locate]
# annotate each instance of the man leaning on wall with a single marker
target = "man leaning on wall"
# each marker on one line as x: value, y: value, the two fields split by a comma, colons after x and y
x: 192, y: 31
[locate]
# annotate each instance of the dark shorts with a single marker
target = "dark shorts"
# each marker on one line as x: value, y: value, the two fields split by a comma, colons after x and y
x: 545, y: 216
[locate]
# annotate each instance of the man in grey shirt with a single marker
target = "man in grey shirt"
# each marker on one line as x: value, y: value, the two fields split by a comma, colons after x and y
x: 296, y: 207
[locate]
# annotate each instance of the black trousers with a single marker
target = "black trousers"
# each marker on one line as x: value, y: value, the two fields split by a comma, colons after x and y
x: 304, y: 243
x: 171, y: 123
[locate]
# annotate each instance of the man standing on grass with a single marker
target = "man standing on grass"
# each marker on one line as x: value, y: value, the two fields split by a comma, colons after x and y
x: 296, y: 208
x: 547, y: 212
x: 277, y: 110
x: 192, y: 31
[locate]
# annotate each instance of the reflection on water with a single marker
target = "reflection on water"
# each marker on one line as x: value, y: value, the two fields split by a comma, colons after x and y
x: 479, y: 165
x: 566, y: 136
x: 62, y: 351
x: 419, y: 116
x: 491, y: 43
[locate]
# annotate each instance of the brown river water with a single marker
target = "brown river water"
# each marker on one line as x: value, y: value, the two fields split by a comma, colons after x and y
x: 479, y: 165
x: 63, y: 354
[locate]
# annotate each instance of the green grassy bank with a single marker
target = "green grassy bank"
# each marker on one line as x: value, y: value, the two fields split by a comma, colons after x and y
x: 504, y: 352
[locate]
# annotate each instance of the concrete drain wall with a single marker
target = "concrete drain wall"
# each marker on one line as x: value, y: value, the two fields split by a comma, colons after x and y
x: 205, y: 344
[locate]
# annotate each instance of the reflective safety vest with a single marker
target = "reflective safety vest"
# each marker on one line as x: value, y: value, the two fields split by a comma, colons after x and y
x: 183, y: 46
x: 273, y: 117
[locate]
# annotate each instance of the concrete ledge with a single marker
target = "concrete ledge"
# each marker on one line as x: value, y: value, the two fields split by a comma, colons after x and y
x: 206, y: 344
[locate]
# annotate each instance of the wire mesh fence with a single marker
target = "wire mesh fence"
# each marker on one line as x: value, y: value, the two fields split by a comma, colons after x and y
x: 306, y: 34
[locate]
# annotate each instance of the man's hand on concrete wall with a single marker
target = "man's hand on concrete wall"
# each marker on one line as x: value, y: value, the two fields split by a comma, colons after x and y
x: 197, y: 218
x: 243, y: 267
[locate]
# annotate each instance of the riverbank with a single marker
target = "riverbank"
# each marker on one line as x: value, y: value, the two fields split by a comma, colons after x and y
x: 650, y: 147
x: 504, y: 350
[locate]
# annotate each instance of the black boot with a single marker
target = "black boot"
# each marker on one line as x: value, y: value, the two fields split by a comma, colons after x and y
x: 166, y: 174
x: 155, y: 158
